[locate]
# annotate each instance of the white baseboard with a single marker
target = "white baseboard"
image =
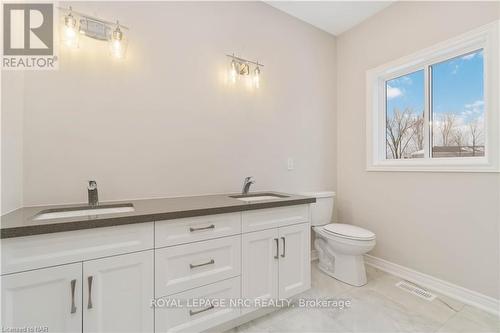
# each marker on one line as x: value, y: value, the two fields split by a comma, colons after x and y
x: 461, y: 294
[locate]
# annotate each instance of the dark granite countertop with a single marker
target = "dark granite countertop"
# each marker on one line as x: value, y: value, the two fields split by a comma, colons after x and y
x: 20, y: 222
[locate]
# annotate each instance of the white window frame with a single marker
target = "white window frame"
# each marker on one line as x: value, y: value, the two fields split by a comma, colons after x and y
x: 487, y: 38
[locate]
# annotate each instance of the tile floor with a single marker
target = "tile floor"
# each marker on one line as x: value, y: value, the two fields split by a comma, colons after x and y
x: 378, y: 306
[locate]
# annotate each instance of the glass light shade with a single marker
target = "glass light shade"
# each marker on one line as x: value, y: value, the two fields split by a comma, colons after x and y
x: 70, y: 31
x: 256, y: 77
x: 233, y: 72
x: 118, y: 43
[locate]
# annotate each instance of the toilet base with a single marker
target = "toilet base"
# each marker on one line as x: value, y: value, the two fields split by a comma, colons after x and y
x: 349, y: 269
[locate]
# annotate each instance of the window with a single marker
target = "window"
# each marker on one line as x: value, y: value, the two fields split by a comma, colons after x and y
x: 458, y: 106
x: 405, y: 116
x: 437, y: 110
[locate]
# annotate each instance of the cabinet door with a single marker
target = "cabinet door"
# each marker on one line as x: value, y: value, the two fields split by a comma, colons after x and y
x: 259, y: 265
x: 117, y: 293
x: 49, y: 297
x: 294, y: 260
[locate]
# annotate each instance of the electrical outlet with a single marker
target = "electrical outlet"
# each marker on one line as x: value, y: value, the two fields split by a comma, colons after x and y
x: 290, y: 164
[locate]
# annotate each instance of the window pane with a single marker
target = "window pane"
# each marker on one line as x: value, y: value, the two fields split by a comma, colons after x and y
x: 458, y: 107
x: 405, y: 116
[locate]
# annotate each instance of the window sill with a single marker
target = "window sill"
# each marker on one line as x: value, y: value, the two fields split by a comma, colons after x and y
x: 435, y: 165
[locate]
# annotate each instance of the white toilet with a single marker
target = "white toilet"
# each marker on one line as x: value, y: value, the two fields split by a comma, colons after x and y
x: 340, y: 246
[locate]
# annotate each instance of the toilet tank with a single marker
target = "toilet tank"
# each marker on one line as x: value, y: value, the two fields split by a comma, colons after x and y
x: 322, y: 210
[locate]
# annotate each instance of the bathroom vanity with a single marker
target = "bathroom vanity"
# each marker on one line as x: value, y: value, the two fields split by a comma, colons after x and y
x: 101, y: 273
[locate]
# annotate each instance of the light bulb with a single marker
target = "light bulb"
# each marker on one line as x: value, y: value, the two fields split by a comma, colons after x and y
x: 70, y: 33
x: 118, y: 43
x: 117, y: 49
x: 256, y: 77
x: 232, y: 72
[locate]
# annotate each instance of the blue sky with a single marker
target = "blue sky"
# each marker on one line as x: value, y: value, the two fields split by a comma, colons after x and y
x: 406, y: 92
x: 457, y: 88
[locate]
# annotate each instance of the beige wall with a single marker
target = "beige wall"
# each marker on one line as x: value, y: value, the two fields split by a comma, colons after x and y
x: 165, y: 123
x: 442, y: 224
x: 12, y: 102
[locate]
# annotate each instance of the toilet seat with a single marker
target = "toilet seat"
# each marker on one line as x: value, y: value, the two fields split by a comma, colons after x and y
x: 348, y: 231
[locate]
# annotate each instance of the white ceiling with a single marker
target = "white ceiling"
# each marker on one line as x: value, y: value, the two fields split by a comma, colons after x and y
x: 334, y: 17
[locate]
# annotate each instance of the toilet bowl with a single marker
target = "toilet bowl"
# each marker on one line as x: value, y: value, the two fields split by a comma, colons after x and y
x: 341, y: 251
x: 340, y: 246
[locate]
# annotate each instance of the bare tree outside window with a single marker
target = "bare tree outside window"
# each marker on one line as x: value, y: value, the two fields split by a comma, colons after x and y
x: 419, y: 132
x: 460, y: 140
x: 446, y: 128
x: 477, y: 139
x: 457, y: 136
x: 404, y: 134
x: 405, y: 117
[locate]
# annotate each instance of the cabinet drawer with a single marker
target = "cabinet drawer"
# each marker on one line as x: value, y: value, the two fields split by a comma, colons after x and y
x: 30, y: 252
x: 186, y: 266
x: 184, y: 319
x: 260, y: 219
x: 194, y: 229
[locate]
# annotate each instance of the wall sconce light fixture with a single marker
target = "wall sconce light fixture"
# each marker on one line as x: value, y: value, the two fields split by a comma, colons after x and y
x: 76, y: 24
x: 241, y: 67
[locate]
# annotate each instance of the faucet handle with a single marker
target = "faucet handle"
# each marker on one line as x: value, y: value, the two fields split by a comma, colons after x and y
x: 249, y: 180
x: 92, y: 185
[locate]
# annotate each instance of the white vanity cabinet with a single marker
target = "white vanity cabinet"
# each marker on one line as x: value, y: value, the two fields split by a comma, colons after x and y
x: 200, y: 318
x: 294, y: 260
x: 187, y: 266
x: 48, y: 297
x: 276, y: 262
x: 117, y: 293
x: 260, y: 253
x: 99, y: 280
x: 260, y: 219
x: 107, y: 279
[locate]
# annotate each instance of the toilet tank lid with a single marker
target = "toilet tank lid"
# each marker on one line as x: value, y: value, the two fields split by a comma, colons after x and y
x: 319, y: 194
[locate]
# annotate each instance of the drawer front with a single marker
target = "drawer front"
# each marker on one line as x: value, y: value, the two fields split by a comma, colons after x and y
x: 198, y: 319
x: 186, y: 266
x: 194, y: 229
x: 31, y: 252
x: 261, y: 219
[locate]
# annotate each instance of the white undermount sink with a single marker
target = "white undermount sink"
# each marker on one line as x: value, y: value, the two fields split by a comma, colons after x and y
x: 258, y: 197
x: 83, y: 211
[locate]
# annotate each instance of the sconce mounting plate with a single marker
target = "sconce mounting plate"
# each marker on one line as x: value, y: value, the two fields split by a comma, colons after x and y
x: 94, y: 29
x: 244, y: 69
